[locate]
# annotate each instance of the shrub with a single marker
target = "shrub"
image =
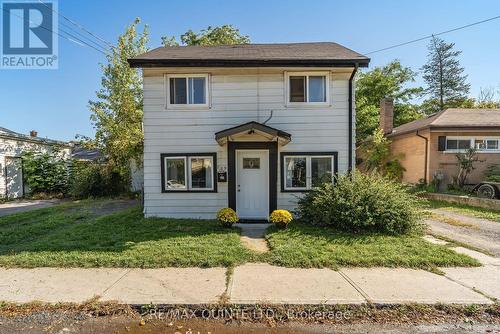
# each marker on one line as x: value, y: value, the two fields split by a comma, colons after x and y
x: 227, y: 217
x: 45, y: 172
x: 493, y: 173
x: 92, y: 179
x: 281, y: 218
x: 362, y: 203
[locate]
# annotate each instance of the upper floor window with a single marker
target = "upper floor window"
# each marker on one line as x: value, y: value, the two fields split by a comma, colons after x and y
x: 311, y: 88
x: 189, y: 89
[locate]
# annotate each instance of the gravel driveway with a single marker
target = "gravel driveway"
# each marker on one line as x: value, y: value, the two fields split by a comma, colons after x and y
x: 9, y: 208
x: 481, y: 233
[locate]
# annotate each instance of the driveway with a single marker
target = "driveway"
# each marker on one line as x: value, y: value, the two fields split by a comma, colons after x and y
x: 26, y: 205
x: 480, y: 233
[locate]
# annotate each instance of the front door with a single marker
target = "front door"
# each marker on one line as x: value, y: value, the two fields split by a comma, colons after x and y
x: 252, y: 184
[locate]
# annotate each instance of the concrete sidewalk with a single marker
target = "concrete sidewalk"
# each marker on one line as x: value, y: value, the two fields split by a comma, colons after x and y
x: 256, y: 283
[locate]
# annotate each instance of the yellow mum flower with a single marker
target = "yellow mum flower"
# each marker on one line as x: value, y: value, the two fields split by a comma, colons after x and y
x: 280, y: 217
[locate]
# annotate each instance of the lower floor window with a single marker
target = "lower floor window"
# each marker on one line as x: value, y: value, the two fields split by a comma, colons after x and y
x: 181, y: 172
x: 305, y: 171
x: 456, y: 144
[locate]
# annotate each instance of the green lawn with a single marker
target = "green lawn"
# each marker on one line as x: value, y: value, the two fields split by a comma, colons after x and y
x: 308, y: 246
x: 86, y: 234
x: 466, y: 210
x: 72, y: 235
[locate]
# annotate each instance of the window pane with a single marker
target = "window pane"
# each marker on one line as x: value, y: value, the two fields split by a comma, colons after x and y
x: 451, y: 144
x: 480, y: 144
x: 463, y: 144
x: 321, y: 170
x: 295, y: 172
x: 317, y: 89
x: 176, y: 173
x: 197, y: 91
x: 178, y: 94
x: 251, y: 163
x: 201, y: 173
x: 297, y: 89
x: 492, y: 144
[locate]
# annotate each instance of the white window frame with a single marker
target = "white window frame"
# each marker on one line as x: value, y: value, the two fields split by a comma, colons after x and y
x: 472, y: 140
x: 205, y: 105
x: 188, y: 186
x: 307, y: 74
x: 191, y: 157
x: 185, y: 172
x: 308, y: 170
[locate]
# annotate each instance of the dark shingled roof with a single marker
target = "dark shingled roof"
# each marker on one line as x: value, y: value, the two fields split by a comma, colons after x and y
x: 6, y: 133
x: 454, y: 118
x: 287, y: 54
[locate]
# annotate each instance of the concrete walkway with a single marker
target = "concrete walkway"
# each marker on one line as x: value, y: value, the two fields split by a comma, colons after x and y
x: 9, y: 208
x: 252, y: 236
x: 256, y: 283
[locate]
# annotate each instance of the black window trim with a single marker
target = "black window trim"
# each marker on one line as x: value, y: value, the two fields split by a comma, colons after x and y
x: 316, y: 154
x: 213, y: 155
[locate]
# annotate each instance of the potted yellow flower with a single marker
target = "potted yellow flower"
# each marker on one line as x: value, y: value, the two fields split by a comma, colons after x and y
x: 281, y: 218
x: 227, y: 217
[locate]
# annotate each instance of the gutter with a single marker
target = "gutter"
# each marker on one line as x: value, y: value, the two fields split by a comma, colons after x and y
x: 351, y: 112
x: 426, y: 154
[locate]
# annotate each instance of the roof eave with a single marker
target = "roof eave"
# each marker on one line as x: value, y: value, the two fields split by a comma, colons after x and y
x: 147, y: 63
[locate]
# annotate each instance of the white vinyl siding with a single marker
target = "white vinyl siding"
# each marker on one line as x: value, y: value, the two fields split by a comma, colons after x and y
x: 236, y: 96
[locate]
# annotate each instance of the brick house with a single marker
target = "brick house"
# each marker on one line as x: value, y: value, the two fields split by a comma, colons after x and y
x: 430, y: 144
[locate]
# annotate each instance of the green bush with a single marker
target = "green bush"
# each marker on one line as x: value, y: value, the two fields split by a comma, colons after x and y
x: 45, y: 172
x: 362, y: 203
x: 93, y: 179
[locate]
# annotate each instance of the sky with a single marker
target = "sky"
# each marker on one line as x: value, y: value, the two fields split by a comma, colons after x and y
x: 55, y: 102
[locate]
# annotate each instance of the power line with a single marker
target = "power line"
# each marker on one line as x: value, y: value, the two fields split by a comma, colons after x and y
x: 74, y: 39
x: 430, y: 36
x: 76, y: 24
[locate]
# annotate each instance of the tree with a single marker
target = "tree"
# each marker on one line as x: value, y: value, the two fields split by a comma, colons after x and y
x: 445, y: 78
x: 466, y: 161
x: 375, y: 153
x: 488, y: 99
x: 117, y: 112
x: 391, y: 80
x: 222, y: 35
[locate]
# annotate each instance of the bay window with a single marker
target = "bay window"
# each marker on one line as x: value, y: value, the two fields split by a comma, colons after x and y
x: 304, y: 171
x: 189, y: 172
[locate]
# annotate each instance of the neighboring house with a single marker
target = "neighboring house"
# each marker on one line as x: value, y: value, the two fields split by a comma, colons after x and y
x: 430, y: 144
x: 12, y: 146
x: 249, y: 127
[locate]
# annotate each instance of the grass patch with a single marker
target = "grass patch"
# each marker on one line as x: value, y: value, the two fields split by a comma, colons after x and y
x: 303, y: 245
x: 468, y: 210
x: 74, y: 235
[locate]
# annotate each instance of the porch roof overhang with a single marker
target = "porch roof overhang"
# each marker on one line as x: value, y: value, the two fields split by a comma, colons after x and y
x: 272, y: 134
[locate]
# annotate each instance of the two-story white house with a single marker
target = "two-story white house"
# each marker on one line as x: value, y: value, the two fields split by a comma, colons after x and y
x: 249, y: 127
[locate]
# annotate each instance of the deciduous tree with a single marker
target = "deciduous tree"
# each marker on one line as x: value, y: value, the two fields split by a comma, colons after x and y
x: 392, y: 80
x: 117, y: 112
x: 221, y: 35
